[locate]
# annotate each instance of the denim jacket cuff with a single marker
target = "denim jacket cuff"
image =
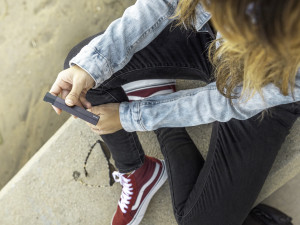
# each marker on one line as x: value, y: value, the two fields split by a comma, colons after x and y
x: 95, y: 64
x: 129, y: 116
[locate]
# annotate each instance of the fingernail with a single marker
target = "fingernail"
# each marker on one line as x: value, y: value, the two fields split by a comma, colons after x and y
x: 69, y: 101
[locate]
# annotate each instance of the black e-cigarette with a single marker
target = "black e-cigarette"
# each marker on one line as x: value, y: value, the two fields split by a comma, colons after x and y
x: 74, y: 110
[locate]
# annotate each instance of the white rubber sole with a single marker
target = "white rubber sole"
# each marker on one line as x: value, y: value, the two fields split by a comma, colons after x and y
x: 144, y: 205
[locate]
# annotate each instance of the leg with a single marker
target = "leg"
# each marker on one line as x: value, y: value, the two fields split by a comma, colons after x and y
x: 240, y: 156
x: 181, y: 57
x: 173, y: 54
x: 125, y: 147
x: 183, y: 162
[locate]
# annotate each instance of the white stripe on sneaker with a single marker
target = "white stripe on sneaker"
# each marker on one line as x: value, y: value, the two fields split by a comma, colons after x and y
x: 163, y: 92
x: 139, y: 198
x: 145, y: 84
x: 143, y: 207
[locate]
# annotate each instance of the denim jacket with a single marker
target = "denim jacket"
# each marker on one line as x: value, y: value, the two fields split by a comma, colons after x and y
x: 139, y: 25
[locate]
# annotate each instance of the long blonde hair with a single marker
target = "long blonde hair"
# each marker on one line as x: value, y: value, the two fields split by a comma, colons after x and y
x: 260, y: 44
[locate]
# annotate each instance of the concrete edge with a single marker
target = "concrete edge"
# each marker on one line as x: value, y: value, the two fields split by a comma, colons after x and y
x: 28, y: 166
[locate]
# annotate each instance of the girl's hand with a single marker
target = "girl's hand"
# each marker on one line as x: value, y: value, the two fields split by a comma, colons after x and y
x: 72, y: 84
x: 109, y: 118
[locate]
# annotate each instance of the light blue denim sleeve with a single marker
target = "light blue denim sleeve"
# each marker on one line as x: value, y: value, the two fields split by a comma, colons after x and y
x: 138, y: 26
x: 198, y: 106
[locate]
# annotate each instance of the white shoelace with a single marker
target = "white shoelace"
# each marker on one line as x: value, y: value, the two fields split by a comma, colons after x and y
x: 126, y: 190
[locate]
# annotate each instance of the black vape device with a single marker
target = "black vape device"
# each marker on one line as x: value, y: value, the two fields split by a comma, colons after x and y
x: 74, y: 110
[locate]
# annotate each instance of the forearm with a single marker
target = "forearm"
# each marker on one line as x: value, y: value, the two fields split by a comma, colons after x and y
x: 197, y: 106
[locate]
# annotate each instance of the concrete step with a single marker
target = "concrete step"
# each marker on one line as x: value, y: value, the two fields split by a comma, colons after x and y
x: 48, y: 189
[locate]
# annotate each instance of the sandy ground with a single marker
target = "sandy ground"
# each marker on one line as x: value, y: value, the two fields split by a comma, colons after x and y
x: 35, y: 38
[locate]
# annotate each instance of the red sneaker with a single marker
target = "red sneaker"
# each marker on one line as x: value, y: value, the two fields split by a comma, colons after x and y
x: 138, y: 189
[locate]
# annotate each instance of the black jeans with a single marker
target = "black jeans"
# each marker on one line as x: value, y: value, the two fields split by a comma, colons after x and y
x: 221, y: 189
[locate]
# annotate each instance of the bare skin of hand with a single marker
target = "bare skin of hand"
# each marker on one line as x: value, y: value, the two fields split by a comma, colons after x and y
x: 109, y: 118
x: 72, y: 84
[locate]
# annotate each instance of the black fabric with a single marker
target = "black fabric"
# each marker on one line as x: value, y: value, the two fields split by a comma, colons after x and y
x: 223, y: 189
x: 267, y: 215
x: 175, y: 53
x: 218, y: 190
